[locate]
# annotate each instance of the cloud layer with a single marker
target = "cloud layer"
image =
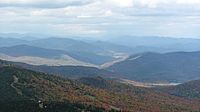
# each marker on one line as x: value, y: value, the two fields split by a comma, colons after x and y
x: 101, y: 17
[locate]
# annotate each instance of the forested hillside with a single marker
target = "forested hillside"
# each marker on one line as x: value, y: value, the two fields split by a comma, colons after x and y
x: 156, y: 67
x: 19, y: 85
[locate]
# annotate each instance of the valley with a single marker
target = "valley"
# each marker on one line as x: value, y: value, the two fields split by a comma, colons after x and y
x: 147, y: 85
x: 99, y: 56
x: 103, y: 78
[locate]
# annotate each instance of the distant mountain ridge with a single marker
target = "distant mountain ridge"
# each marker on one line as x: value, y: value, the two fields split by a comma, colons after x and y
x: 66, y: 71
x: 156, y: 67
x: 157, y: 44
x: 31, y: 51
x: 52, y: 47
x: 7, y: 42
x: 39, y: 56
x: 127, y: 44
x: 26, y: 50
x: 101, y: 52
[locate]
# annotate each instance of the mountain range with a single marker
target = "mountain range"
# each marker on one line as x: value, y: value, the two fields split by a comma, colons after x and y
x: 120, y: 59
x: 157, y: 44
x: 160, y: 67
x: 92, y: 53
x: 22, y: 89
x: 59, y: 74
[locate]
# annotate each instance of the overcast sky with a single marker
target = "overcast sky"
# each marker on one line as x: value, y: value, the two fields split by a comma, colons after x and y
x: 102, y: 18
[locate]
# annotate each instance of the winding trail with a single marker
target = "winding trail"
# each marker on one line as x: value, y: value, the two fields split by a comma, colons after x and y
x: 14, y: 82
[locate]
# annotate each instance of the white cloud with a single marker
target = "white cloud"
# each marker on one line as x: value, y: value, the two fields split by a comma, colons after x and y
x: 95, y: 17
x: 152, y: 3
x: 188, y: 2
x: 43, y: 3
x: 76, y: 29
x: 120, y: 3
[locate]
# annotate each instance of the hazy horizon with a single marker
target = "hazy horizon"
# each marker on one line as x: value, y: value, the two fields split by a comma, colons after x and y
x: 99, y: 56
x: 101, y: 18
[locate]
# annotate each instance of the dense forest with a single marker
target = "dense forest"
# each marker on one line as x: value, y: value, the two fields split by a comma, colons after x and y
x: 24, y: 89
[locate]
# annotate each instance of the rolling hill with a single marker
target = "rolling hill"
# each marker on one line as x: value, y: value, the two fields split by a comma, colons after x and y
x: 66, y: 71
x: 156, y: 67
x: 42, y: 56
x: 65, y: 44
x: 23, y: 88
x: 32, y: 52
x: 157, y: 44
x: 7, y: 42
x: 95, y: 52
x: 187, y: 90
x: 25, y: 50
